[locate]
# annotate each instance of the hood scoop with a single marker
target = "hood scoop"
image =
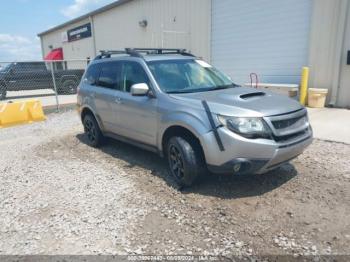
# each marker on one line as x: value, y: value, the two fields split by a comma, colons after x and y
x: 252, y: 95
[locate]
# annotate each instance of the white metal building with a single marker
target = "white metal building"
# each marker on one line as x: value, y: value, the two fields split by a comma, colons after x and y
x: 272, y: 38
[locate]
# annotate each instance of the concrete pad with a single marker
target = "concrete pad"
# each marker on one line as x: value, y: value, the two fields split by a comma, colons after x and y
x: 46, y: 96
x: 331, y: 124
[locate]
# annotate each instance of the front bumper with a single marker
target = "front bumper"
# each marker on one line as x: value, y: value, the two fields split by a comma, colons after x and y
x: 255, y: 156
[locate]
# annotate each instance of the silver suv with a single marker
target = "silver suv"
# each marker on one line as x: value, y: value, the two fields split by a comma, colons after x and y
x: 172, y: 103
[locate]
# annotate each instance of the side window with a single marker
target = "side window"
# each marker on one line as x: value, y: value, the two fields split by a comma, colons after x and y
x: 92, y: 74
x: 133, y: 73
x: 28, y: 67
x: 18, y: 67
x: 110, y: 76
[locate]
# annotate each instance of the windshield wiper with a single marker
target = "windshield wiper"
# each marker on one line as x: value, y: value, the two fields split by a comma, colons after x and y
x: 184, y: 91
x: 179, y: 92
x: 224, y: 87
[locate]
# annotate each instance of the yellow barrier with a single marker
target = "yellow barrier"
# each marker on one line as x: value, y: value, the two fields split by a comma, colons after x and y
x: 22, y: 112
x: 304, y: 85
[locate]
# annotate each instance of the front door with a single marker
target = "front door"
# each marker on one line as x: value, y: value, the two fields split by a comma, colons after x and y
x: 137, y: 115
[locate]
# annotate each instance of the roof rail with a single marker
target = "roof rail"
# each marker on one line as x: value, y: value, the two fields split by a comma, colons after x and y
x: 136, y: 52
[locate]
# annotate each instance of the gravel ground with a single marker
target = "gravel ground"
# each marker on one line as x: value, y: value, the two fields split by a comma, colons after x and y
x: 59, y: 196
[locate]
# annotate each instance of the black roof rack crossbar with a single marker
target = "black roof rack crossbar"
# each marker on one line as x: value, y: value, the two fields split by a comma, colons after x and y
x: 163, y: 51
x: 159, y: 50
x: 109, y: 53
x: 136, y: 52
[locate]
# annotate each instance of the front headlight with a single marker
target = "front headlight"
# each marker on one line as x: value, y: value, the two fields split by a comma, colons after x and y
x: 249, y: 127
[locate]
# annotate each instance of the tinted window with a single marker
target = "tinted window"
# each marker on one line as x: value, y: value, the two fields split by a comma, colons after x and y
x: 186, y: 76
x: 39, y: 66
x: 110, y: 75
x: 92, y: 74
x: 5, y: 68
x: 133, y: 73
x: 30, y: 66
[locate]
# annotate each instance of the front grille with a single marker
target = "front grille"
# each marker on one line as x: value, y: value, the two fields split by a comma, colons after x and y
x: 289, y: 126
x: 285, y: 123
x: 291, y: 136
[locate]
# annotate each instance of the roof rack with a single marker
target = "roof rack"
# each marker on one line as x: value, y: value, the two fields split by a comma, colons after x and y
x: 162, y: 51
x: 137, y: 52
x: 109, y: 53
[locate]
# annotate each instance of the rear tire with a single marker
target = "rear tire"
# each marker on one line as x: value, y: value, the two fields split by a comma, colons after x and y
x: 92, y: 131
x: 3, y: 92
x: 185, y: 161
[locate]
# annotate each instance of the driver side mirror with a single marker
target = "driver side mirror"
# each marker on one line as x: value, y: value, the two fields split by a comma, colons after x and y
x: 140, y: 89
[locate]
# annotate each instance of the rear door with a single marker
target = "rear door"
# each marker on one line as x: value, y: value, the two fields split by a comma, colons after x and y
x: 105, y: 94
x: 40, y: 76
x: 18, y: 77
x: 137, y: 115
x: 30, y: 76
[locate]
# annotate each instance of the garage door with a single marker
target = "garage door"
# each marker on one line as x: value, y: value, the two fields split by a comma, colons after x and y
x: 344, y: 90
x: 268, y: 37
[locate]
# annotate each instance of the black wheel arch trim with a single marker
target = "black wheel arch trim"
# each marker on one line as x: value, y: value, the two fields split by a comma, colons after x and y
x: 69, y: 77
x: 96, y: 116
x: 213, y: 126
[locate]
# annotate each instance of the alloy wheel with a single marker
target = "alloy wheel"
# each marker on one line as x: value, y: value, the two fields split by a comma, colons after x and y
x: 90, y: 130
x: 176, y: 162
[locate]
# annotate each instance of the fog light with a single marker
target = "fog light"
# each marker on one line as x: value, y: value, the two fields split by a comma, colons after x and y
x: 236, y: 168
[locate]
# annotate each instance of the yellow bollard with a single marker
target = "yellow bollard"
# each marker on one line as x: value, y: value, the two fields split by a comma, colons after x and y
x: 304, y: 85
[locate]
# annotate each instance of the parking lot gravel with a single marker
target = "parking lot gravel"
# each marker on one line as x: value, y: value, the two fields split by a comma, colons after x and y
x: 59, y: 196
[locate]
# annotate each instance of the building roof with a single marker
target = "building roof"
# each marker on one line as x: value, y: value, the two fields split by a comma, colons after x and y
x: 95, y: 12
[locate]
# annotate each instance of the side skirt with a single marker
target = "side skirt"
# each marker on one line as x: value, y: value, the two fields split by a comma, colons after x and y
x: 133, y: 142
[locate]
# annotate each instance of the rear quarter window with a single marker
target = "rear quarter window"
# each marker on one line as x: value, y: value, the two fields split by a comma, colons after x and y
x: 92, y: 74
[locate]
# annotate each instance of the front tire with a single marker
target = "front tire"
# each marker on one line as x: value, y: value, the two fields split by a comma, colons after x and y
x: 185, y: 161
x: 92, y: 131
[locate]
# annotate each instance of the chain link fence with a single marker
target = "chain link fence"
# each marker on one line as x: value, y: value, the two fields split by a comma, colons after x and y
x: 53, y: 82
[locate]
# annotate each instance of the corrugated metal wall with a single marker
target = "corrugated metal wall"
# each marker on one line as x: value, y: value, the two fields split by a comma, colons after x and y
x: 269, y: 37
x: 344, y: 90
x: 328, y: 45
x: 171, y: 24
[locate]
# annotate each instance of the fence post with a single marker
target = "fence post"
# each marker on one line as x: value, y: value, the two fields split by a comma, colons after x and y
x: 55, y: 87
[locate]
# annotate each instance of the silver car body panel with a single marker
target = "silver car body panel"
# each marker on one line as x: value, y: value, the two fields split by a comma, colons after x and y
x: 145, y: 119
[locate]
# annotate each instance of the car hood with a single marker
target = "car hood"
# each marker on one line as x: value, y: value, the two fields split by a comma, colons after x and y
x: 241, y: 101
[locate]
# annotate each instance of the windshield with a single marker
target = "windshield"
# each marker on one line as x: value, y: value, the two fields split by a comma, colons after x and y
x: 188, y: 76
x: 5, y: 68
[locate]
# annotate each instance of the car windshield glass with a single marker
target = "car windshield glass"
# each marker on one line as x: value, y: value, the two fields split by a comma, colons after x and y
x: 5, y: 68
x: 188, y: 76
